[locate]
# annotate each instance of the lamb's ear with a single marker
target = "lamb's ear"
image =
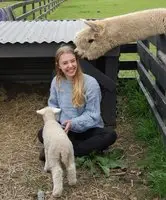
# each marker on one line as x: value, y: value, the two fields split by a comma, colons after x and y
x: 56, y: 110
x: 41, y: 111
x: 95, y: 27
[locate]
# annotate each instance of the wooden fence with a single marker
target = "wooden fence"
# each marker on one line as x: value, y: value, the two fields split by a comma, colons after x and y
x: 151, y: 68
x: 32, y: 9
x: 152, y: 76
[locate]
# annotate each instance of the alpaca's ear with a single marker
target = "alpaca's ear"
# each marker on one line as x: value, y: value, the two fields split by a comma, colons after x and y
x: 95, y: 27
x: 41, y: 111
x: 56, y: 110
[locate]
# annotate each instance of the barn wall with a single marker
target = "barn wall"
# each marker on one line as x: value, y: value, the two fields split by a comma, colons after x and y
x: 27, y: 70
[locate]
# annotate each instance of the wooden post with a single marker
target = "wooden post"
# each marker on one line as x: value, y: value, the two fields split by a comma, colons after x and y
x: 45, y: 9
x: 49, y: 6
x: 24, y: 10
x: 105, y: 70
x: 161, y: 54
x: 52, y: 5
x: 109, y: 98
x: 40, y: 8
x: 33, y: 7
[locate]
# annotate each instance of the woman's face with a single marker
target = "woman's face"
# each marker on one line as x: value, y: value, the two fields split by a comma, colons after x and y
x: 68, y: 65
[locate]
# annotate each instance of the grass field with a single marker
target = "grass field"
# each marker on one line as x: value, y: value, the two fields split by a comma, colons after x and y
x: 5, y: 4
x: 76, y: 9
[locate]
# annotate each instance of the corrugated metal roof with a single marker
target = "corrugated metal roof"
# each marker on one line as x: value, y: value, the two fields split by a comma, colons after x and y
x: 39, y: 31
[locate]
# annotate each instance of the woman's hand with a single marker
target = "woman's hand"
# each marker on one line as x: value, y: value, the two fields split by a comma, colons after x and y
x: 67, y: 125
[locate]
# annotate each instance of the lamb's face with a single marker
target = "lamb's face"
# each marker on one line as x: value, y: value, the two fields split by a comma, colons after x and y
x: 90, y: 41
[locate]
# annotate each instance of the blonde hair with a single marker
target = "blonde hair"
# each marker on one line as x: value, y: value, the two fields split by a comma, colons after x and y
x: 78, y: 98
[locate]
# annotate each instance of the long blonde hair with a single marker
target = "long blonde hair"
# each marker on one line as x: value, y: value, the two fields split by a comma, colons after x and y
x: 78, y: 98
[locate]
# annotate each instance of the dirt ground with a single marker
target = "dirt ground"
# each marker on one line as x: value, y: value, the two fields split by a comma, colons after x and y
x: 21, y: 172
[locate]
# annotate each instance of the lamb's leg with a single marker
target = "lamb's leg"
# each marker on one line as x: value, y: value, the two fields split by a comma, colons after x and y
x: 46, y: 166
x: 57, y: 176
x: 71, y: 171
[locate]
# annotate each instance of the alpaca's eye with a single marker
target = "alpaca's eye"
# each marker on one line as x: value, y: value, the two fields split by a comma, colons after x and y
x: 90, y: 41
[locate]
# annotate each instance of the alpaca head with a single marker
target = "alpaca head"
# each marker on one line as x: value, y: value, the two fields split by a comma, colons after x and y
x: 91, y: 42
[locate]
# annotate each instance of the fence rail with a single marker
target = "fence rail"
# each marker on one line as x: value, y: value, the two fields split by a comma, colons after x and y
x: 152, y: 72
x: 130, y: 64
x: 32, y: 9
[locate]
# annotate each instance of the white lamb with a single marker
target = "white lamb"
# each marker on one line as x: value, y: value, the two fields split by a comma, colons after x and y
x: 58, y: 150
x: 103, y: 35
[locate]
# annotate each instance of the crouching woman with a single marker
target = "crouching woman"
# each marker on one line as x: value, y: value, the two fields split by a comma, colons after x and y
x: 78, y: 96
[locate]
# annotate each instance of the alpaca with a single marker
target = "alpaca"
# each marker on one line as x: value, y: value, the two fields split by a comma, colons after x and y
x: 103, y: 35
x: 58, y: 150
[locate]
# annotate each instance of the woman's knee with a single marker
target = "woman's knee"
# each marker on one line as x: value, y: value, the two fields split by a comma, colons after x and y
x: 111, y: 136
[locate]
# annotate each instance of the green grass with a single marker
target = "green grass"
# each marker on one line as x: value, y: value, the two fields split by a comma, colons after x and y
x: 146, y: 131
x: 6, y: 4
x: 104, y: 162
x: 76, y: 9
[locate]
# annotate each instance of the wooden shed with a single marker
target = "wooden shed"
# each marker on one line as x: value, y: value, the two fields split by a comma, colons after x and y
x: 27, y: 52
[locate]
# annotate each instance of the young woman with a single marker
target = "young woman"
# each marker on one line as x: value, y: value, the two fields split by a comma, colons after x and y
x: 79, y: 96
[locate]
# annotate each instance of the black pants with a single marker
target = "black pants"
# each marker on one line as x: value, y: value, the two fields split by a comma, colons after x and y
x: 95, y: 139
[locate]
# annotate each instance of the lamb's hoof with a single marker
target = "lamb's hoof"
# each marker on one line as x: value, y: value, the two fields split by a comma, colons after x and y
x: 73, y: 182
x: 57, y: 194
